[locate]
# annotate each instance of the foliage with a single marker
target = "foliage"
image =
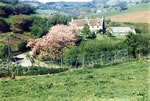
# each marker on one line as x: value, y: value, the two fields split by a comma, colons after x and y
x: 4, y: 27
x: 21, y: 71
x: 22, y: 45
x: 122, y: 5
x: 59, y: 19
x: 88, y: 50
x: 6, y: 10
x: 137, y: 44
x: 52, y: 45
x: 3, y: 50
x: 39, y: 26
x: 86, y: 30
x: 24, y: 9
x: 13, y: 2
x: 92, y: 35
x: 20, y: 23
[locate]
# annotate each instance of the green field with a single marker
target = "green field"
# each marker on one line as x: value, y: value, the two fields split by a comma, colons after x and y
x: 123, y: 82
x: 48, y: 11
x: 136, y: 8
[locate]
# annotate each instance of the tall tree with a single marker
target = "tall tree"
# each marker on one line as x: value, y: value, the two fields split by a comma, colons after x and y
x: 86, y: 30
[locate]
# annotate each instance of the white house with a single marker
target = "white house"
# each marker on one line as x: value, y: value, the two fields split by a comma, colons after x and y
x: 94, y: 24
x: 121, y: 30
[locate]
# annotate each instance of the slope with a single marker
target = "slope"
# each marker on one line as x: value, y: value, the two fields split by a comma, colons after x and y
x: 120, y: 82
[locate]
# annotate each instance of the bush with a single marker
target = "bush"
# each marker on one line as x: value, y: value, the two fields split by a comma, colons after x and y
x: 20, y: 23
x: 22, y: 45
x: 3, y: 50
x: 6, y: 10
x: 91, y: 36
x: 24, y: 9
x: 87, y: 51
x: 97, y: 66
x: 137, y: 44
x: 40, y: 26
x: 4, y: 27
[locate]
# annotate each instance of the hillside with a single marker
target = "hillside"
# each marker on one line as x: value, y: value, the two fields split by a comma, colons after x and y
x: 123, y: 82
x: 136, y: 17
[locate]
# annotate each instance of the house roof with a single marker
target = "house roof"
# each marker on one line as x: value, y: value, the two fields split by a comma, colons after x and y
x: 90, y: 22
x: 122, y: 30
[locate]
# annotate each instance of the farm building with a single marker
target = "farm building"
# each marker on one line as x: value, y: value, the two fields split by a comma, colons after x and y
x: 94, y: 24
x: 121, y: 30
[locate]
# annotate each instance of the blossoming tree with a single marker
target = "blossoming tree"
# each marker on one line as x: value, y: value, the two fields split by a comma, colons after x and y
x: 53, y: 44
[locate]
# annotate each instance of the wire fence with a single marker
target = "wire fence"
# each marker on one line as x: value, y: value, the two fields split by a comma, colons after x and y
x: 89, y: 60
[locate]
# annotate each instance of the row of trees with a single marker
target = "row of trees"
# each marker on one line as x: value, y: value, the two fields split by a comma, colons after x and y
x: 37, y: 26
x: 7, y: 9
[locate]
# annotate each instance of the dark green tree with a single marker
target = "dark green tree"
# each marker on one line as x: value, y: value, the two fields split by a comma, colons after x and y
x: 4, y: 27
x: 137, y: 44
x: 20, y: 23
x: 40, y: 26
x: 86, y: 30
x: 22, y: 45
x: 3, y: 50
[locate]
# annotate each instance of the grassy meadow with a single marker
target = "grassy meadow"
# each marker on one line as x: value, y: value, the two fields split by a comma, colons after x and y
x: 127, y: 81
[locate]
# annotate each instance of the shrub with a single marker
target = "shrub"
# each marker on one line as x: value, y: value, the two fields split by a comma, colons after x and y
x: 22, y: 45
x: 24, y: 9
x: 87, y: 51
x: 3, y: 50
x: 40, y: 26
x: 20, y: 23
x: 137, y: 44
x: 97, y: 66
x: 4, y: 27
x: 91, y: 35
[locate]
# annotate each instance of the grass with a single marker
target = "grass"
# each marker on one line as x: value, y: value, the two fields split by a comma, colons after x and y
x: 123, y: 82
x: 115, y: 39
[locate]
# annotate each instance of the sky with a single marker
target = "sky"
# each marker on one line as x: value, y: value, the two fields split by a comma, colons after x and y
x: 64, y: 0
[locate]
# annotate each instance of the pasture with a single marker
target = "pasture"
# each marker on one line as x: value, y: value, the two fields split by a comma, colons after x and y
x: 125, y: 81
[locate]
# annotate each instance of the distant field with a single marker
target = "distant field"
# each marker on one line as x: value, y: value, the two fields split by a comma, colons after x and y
x: 120, y: 82
x: 136, y: 17
x: 48, y: 11
x: 131, y: 9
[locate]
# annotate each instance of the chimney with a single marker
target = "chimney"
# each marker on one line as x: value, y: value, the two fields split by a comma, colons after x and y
x: 72, y: 19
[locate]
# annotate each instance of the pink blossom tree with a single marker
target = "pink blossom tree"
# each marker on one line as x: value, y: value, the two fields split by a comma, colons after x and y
x: 55, y: 42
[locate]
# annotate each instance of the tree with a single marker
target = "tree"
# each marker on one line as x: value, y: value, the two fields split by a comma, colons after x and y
x: 86, y: 30
x: 4, y: 27
x: 24, y: 9
x: 3, y: 50
x: 40, y: 26
x: 10, y: 1
x: 122, y: 5
x: 55, y: 42
x: 91, y: 35
x: 20, y: 23
x: 137, y: 44
x: 22, y: 45
x: 59, y: 19
x: 6, y: 10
